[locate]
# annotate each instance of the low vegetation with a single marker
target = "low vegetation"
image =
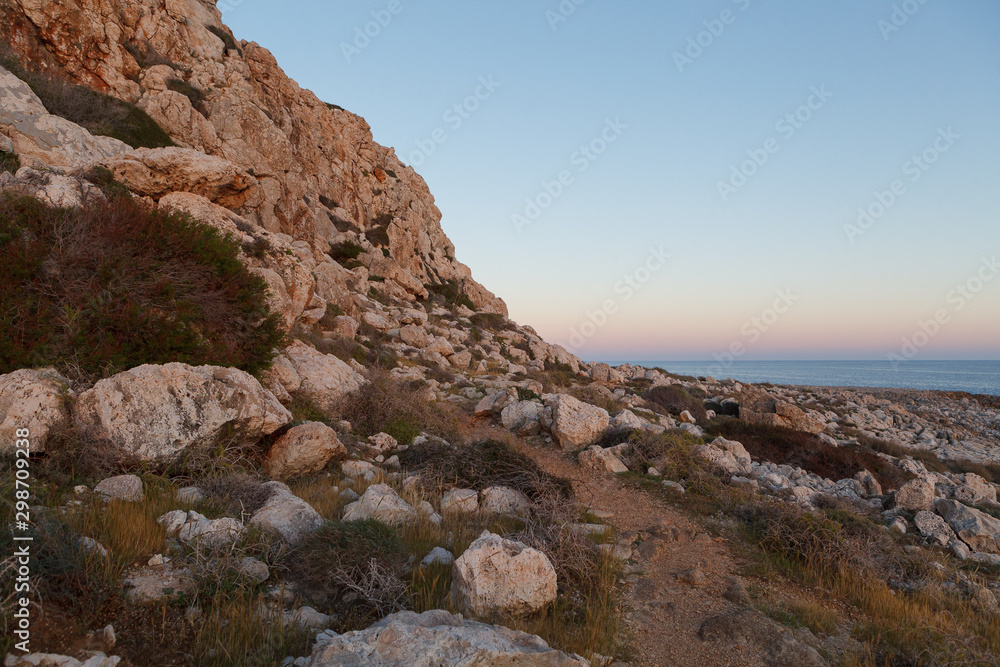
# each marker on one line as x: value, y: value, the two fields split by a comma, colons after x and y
x: 805, y: 450
x: 99, y: 113
x: 9, y: 162
x: 112, y: 285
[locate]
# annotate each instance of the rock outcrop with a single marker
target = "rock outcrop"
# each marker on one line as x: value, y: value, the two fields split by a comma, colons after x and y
x: 157, y: 412
x: 432, y: 639
x: 304, y: 449
x: 270, y: 150
x: 496, y: 575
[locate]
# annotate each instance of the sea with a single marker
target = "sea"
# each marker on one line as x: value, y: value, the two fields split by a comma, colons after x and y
x: 974, y: 377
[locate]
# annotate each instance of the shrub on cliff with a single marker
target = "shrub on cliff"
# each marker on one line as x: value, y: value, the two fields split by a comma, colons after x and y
x: 113, y: 285
x: 101, y: 114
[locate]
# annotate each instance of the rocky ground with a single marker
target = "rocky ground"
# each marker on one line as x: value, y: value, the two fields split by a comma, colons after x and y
x: 415, y: 479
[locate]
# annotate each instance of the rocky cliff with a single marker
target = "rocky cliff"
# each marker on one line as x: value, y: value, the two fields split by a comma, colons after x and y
x: 299, y: 166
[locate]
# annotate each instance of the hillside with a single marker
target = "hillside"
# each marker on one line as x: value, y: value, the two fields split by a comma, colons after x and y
x: 253, y: 411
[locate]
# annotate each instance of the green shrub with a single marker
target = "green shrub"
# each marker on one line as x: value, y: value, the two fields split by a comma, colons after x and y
x: 113, y: 285
x: 9, y: 162
x: 105, y: 180
x: 491, y: 322
x: 403, y: 431
x: 101, y: 114
x: 344, y: 252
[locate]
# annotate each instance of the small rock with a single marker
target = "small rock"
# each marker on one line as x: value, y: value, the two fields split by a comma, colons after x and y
x: 460, y: 501
x: 673, y: 486
x: 438, y: 556
x: 122, y: 487
x: 695, y: 576
x: 253, y: 568
x: 190, y: 495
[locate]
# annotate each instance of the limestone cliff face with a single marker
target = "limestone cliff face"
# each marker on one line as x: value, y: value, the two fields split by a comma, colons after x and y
x: 320, y: 177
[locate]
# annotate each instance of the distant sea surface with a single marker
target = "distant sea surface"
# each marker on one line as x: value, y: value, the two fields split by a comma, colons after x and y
x: 975, y: 377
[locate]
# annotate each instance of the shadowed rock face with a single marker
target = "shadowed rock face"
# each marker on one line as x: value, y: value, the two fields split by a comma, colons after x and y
x: 313, y: 169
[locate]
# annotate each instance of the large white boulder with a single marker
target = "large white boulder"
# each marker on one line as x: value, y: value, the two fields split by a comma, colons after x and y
x: 977, y: 529
x: 728, y: 455
x: 381, y: 503
x: 286, y: 515
x: 322, y: 378
x: 36, y: 400
x: 157, y: 412
x: 575, y: 423
x: 596, y: 457
x: 496, y: 575
x: 503, y: 501
x: 917, y: 494
x: 304, y: 449
x: 523, y: 417
x: 436, y: 638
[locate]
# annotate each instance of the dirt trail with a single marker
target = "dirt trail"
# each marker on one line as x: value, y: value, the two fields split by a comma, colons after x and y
x: 664, y: 610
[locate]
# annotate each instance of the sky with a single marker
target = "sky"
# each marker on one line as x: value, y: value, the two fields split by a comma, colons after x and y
x: 686, y: 180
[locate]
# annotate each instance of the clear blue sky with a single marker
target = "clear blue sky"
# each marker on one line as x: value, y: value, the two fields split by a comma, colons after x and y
x: 879, y: 97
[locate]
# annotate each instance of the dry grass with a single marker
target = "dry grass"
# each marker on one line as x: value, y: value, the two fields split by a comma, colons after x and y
x: 237, y: 631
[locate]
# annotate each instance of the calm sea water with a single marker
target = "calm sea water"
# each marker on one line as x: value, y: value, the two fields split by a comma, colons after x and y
x: 975, y: 377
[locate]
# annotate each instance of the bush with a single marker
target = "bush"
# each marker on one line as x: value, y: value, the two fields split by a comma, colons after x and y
x: 490, y: 321
x: 9, y: 162
x: 146, y: 56
x: 481, y: 465
x: 352, y: 567
x: 386, y: 403
x: 449, y: 294
x: 192, y: 92
x: 676, y: 399
x: 101, y: 114
x: 805, y: 450
x: 226, y: 38
x: 345, y: 252
x: 113, y: 285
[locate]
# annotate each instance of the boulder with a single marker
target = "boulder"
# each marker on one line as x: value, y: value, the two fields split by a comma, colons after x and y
x: 759, y: 407
x: 596, y: 457
x: 523, y: 417
x: 974, y: 490
x: 414, y: 336
x: 500, y: 576
x: 155, y: 172
x: 575, y: 423
x: 729, y: 456
x: 503, y: 501
x: 381, y: 503
x: 934, y: 527
x: 438, y: 556
x: 432, y: 639
x: 323, y: 378
x: 493, y: 404
x: 304, y: 449
x: 97, y: 659
x: 121, y: 487
x: 915, y: 495
x: 210, y: 533
x: 382, y: 442
x: 35, y: 400
x: 345, y: 325
x: 977, y: 529
x: 157, y: 412
x: 460, y: 501
x: 869, y: 485
x: 286, y: 515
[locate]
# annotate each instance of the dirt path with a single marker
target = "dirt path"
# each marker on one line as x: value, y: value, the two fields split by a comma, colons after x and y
x: 665, y: 609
